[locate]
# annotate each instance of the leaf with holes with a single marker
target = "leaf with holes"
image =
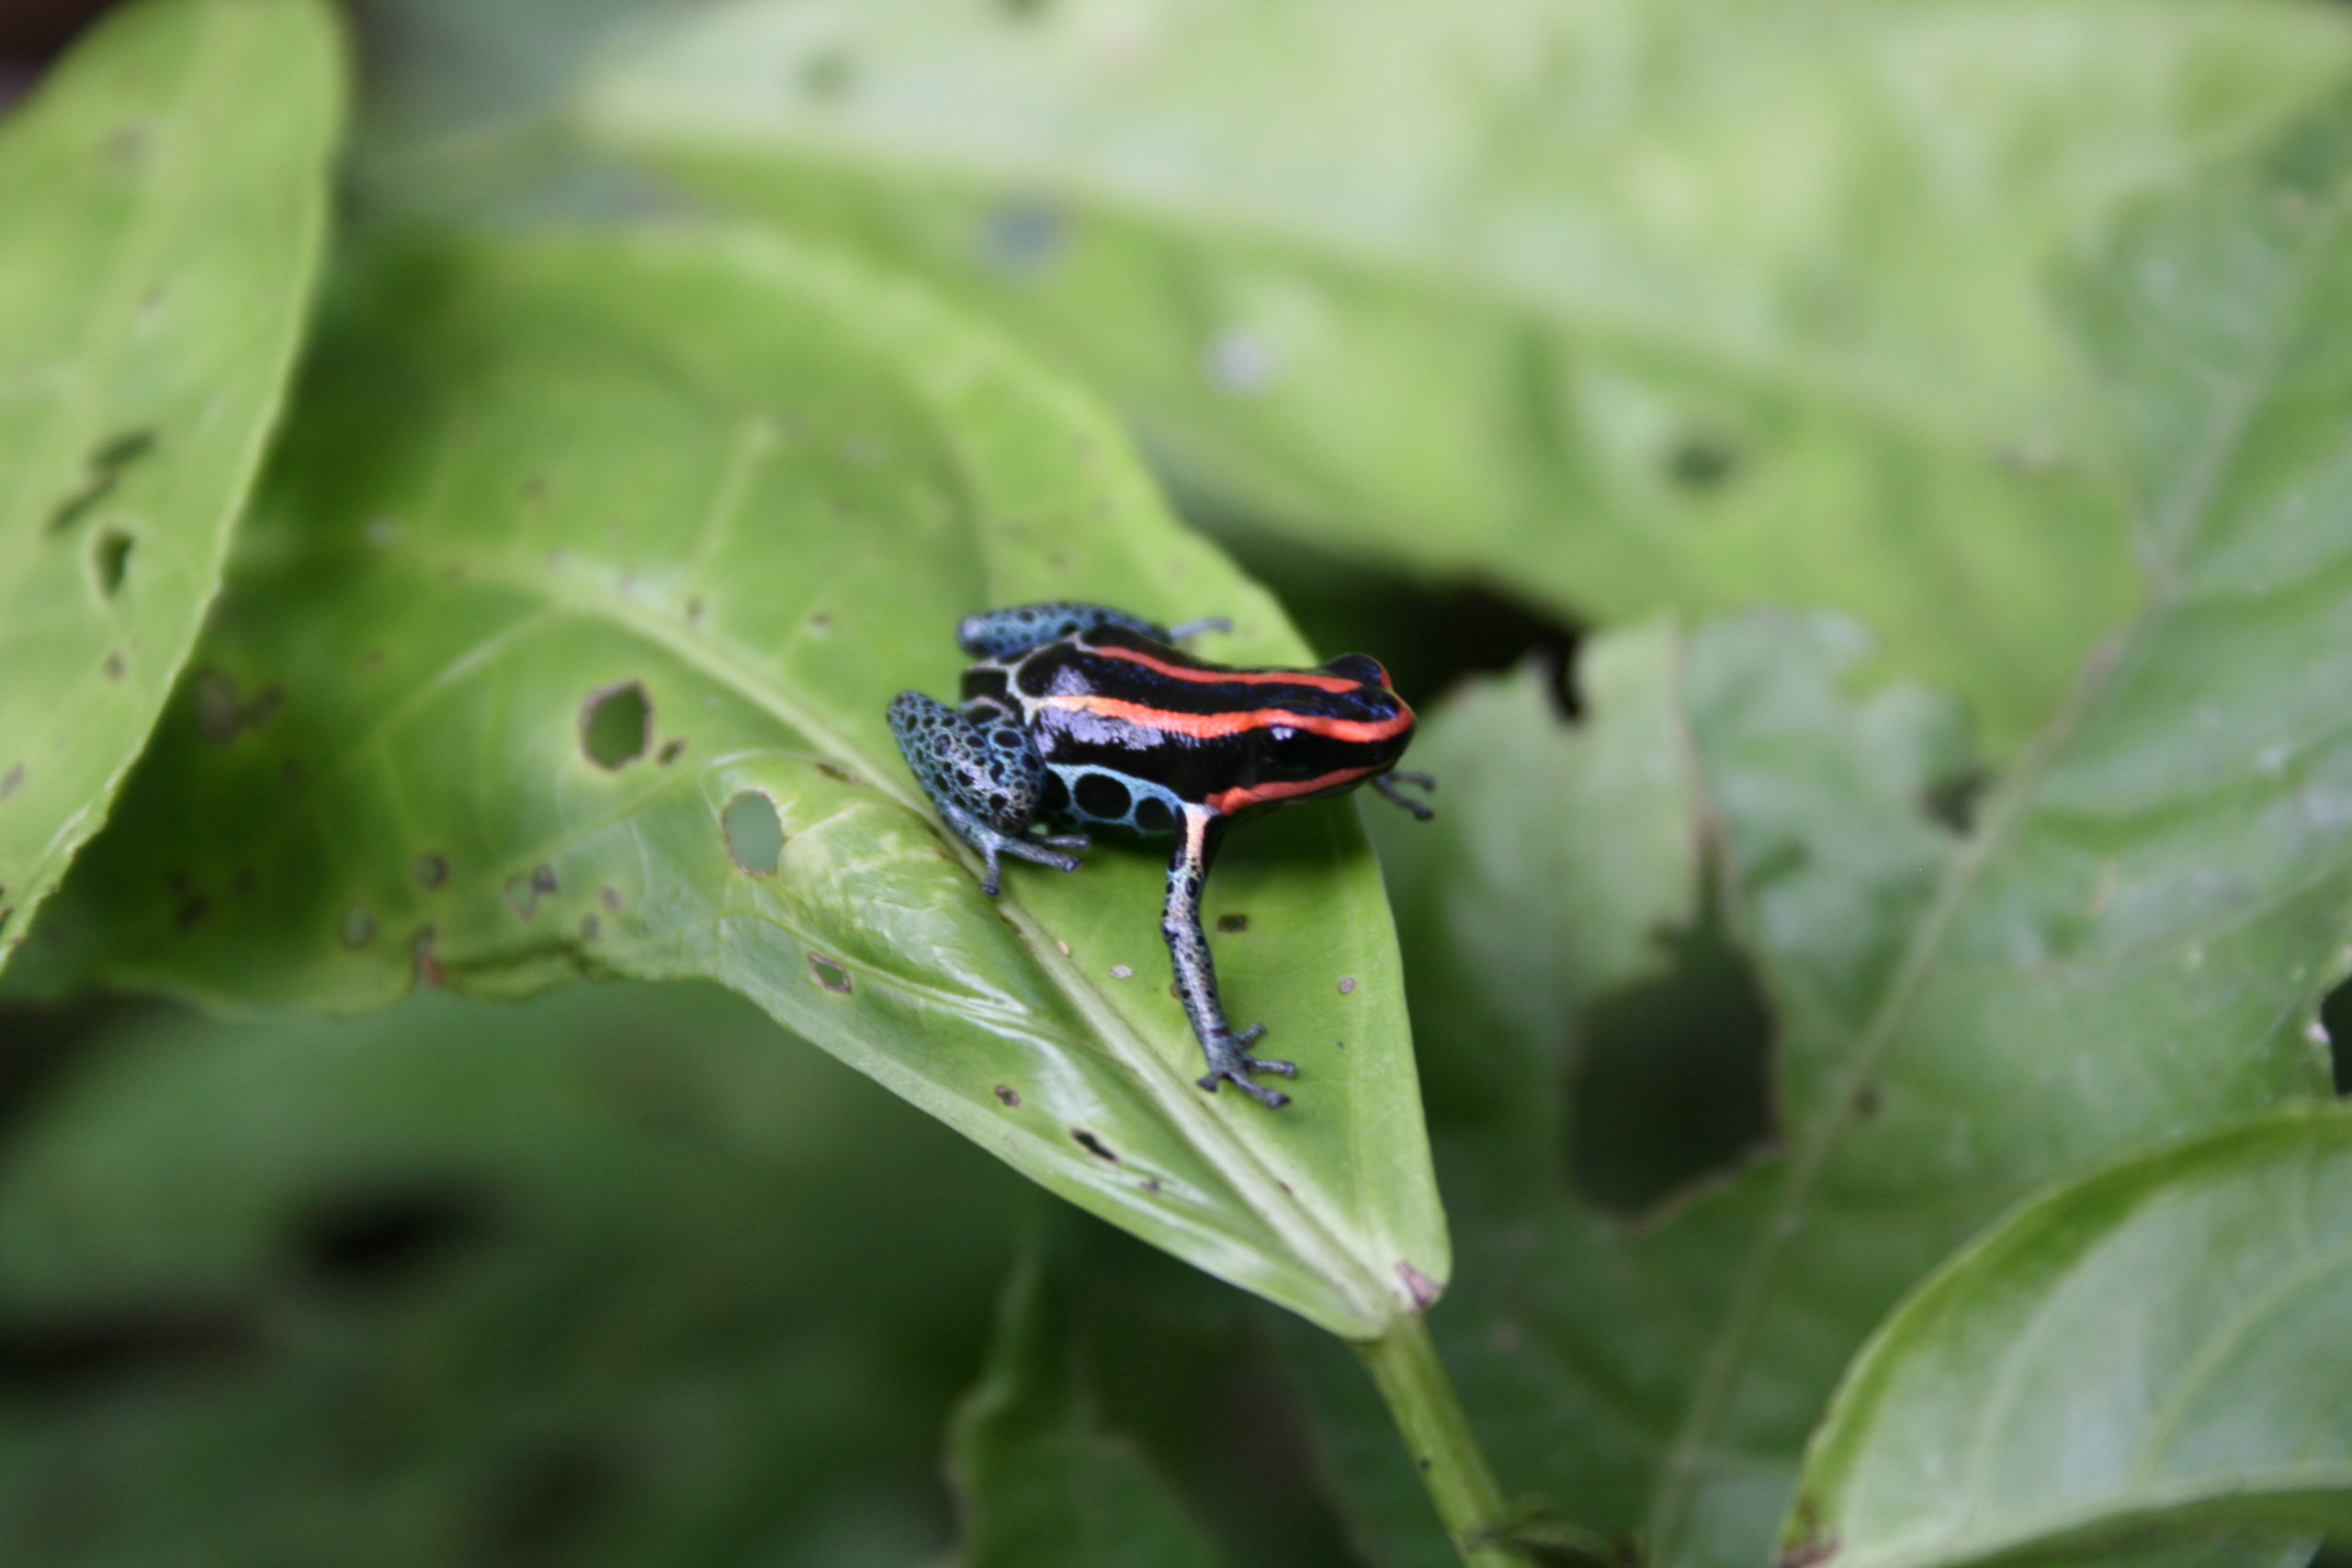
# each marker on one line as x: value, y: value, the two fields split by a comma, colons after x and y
x: 469, y: 1283
x: 2158, y: 1347
x: 2130, y: 943
x: 1610, y: 304
x: 562, y: 644
x: 167, y: 199
x: 1040, y: 1481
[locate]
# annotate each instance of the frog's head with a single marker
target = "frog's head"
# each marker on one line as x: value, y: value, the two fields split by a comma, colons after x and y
x: 1363, y: 724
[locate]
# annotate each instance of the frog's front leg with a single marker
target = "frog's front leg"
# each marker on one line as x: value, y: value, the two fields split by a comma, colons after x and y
x: 1188, y: 945
x: 984, y: 776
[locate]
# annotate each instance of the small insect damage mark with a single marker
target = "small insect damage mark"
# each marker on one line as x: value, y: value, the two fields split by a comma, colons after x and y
x: 672, y: 749
x: 113, y: 669
x: 357, y: 929
x: 428, y: 964
x: 430, y: 871
x: 221, y: 712
x: 1417, y: 1285
x: 1347, y: 985
x: 1008, y: 1097
x: 189, y: 904
x: 616, y: 725
x: 843, y: 775
x: 1120, y: 971
x: 591, y: 928
x: 752, y: 828
x: 1702, y: 460
x: 1868, y: 1102
x: 694, y: 609
x: 525, y: 890
x: 110, y: 560
x: 102, y: 470
x: 1808, y: 1546
x: 12, y: 781
x: 1230, y: 923
x: 829, y: 973
x: 1093, y: 1145
x: 609, y: 896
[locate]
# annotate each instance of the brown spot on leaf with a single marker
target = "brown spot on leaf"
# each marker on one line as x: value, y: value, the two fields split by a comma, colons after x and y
x: 430, y: 870
x: 1233, y: 923
x: 1008, y: 1096
x: 830, y: 972
x: 1093, y: 1145
x: 1347, y: 983
x: 1417, y: 1285
x: 12, y: 781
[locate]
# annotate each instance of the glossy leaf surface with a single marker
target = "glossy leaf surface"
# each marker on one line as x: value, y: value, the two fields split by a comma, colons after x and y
x: 561, y: 646
x: 2129, y: 944
x: 589, y: 1282
x: 2156, y: 1348
x: 1040, y: 1481
x: 1610, y: 304
x: 165, y: 200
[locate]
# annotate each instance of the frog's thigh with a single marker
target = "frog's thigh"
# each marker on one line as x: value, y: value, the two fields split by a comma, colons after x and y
x: 1004, y: 633
x: 976, y: 764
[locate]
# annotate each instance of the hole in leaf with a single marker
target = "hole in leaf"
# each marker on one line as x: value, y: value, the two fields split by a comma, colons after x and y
x: 755, y: 833
x: 1702, y: 460
x: 1233, y: 923
x: 1008, y: 1096
x: 102, y: 470
x: 671, y: 751
x: 830, y: 974
x: 1951, y: 801
x: 2336, y: 1017
x: 380, y: 1235
x: 616, y: 725
x: 109, y: 558
x: 1672, y: 1080
x: 1093, y: 1145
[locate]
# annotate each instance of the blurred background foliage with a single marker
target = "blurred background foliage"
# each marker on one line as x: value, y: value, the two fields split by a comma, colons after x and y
x: 1761, y: 297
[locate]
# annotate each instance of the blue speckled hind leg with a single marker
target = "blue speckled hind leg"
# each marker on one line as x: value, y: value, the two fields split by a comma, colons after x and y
x: 1002, y: 634
x: 1188, y: 946
x: 984, y: 776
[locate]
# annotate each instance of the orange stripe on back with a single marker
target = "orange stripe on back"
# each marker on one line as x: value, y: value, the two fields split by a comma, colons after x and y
x: 1239, y: 677
x: 1231, y: 800
x: 1213, y: 726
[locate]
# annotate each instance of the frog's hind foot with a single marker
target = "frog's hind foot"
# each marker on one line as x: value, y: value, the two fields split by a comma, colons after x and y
x: 1386, y: 785
x: 1230, y: 1062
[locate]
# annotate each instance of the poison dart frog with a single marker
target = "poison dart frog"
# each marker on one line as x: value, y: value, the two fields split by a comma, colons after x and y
x: 1075, y: 715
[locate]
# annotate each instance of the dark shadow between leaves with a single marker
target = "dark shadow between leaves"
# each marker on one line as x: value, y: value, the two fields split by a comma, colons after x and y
x: 1670, y: 1079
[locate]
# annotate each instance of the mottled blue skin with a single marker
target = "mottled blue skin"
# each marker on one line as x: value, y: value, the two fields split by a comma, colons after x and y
x: 1085, y: 716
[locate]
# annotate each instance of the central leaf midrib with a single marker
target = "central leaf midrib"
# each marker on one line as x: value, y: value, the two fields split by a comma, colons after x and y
x: 1724, y: 1365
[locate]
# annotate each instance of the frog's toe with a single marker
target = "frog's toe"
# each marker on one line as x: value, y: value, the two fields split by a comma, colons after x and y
x: 1233, y: 1065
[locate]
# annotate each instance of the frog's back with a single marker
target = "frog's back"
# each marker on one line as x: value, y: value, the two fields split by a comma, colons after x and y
x: 1135, y: 731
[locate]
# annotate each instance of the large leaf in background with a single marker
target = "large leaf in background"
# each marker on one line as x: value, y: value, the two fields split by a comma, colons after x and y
x: 1040, y: 1483
x: 2130, y: 944
x: 165, y: 200
x: 2158, y: 1347
x: 613, y: 1278
x: 561, y: 644
x: 1610, y: 304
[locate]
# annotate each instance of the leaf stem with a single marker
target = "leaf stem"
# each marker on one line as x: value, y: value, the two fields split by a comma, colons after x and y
x: 1404, y: 1366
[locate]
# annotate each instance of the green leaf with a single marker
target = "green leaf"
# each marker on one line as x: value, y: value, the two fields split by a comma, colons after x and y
x: 744, y: 493
x: 1040, y: 1483
x: 2154, y: 1350
x: 1611, y: 304
x: 166, y: 200
x: 605, y: 1279
x: 2128, y: 944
